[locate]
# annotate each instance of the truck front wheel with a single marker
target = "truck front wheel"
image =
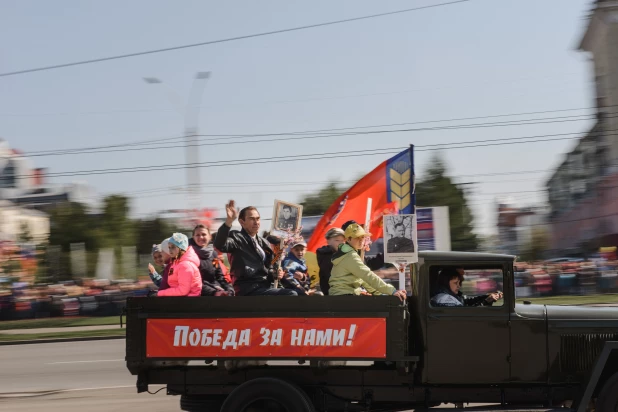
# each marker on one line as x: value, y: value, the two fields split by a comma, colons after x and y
x: 267, y: 394
x: 607, y: 401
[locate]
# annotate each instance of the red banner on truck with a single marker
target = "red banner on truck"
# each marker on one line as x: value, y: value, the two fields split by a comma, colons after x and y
x: 266, y: 338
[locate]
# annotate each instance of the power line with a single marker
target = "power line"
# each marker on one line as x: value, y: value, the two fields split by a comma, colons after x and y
x: 299, y: 136
x: 314, y: 156
x: 226, y: 40
x: 167, y: 139
x: 235, y: 162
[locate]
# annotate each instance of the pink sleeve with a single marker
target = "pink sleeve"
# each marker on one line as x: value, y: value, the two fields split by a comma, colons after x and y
x: 184, y: 282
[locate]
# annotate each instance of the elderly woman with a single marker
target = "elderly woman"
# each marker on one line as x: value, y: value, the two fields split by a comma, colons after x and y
x: 184, y: 277
x: 449, y: 294
x: 349, y: 272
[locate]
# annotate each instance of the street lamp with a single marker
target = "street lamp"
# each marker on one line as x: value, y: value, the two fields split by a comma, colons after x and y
x: 191, y: 112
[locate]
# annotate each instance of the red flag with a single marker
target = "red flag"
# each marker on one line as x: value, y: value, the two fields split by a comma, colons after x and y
x: 377, y: 222
x: 391, y: 188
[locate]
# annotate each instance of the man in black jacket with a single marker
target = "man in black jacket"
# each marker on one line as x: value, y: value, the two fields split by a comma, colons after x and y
x: 213, y: 281
x: 250, y: 255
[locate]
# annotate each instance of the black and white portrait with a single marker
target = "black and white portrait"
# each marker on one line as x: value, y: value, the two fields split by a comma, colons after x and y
x: 400, y: 236
x: 286, y: 216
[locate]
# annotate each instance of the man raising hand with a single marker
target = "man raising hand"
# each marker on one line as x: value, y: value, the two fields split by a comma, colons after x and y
x: 250, y: 255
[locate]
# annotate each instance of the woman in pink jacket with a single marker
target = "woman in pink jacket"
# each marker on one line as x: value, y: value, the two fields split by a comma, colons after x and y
x: 184, y: 276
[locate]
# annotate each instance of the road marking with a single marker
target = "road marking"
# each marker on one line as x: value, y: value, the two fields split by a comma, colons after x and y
x: 86, y: 361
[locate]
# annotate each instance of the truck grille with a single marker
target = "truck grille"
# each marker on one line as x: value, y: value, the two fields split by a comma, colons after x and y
x: 578, y: 352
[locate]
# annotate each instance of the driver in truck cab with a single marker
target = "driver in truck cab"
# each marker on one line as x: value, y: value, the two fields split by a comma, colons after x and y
x: 349, y: 272
x: 449, y: 293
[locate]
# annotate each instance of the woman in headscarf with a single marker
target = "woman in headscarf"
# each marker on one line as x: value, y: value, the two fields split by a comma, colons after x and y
x: 350, y: 274
x: 184, y: 277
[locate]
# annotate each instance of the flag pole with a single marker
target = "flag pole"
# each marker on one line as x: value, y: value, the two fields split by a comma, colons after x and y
x: 367, y: 224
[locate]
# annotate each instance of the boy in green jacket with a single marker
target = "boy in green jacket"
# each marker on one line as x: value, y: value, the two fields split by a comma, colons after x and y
x: 350, y: 273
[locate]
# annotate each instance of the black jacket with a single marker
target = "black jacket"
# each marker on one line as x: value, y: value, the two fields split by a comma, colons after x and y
x: 212, y: 276
x: 324, y: 255
x: 249, y: 270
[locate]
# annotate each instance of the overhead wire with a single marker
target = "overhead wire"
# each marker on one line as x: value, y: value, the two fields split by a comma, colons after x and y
x: 288, y: 137
x: 165, y: 140
x: 225, y: 40
x: 290, y: 158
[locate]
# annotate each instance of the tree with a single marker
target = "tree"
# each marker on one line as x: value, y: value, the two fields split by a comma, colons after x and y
x: 437, y: 189
x: 150, y: 232
x: 70, y: 223
x: 318, y: 203
x: 538, y: 245
x: 118, y: 228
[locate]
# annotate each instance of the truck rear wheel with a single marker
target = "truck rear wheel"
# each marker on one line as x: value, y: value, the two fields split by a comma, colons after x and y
x: 607, y: 401
x: 267, y: 394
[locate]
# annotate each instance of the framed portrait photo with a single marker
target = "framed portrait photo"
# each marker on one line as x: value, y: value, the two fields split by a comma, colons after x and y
x: 286, y: 217
x: 400, y: 238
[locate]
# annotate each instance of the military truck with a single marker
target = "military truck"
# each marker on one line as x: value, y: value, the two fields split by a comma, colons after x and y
x: 357, y: 353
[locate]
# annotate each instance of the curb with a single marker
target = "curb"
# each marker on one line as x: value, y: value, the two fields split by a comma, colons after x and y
x: 60, y: 340
x: 11, y: 395
x: 28, y: 394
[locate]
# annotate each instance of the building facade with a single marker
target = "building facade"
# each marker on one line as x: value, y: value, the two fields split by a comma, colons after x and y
x: 517, y: 225
x: 583, y: 190
x: 26, y: 186
x: 18, y: 223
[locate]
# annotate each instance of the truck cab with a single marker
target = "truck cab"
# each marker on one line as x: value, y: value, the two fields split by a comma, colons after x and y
x: 375, y: 353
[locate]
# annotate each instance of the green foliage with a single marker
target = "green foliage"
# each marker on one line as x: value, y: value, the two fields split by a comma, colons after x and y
x: 539, y: 243
x: 318, y: 203
x: 71, y: 223
x: 117, y: 226
x: 150, y: 232
x: 437, y: 189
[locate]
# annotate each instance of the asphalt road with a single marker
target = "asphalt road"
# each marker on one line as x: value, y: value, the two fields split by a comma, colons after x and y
x: 69, y: 365
x: 91, y: 376
x: 74, y: 377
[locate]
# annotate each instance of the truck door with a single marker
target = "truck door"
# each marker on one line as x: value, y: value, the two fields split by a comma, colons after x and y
x: 469, y: 344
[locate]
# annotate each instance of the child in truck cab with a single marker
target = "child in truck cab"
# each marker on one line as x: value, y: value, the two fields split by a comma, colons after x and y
x: 449, y: 294
x: 349, y: 272
x: 184, y: 277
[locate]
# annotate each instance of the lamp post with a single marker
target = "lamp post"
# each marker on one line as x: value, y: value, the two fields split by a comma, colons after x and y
x: 190, y: 111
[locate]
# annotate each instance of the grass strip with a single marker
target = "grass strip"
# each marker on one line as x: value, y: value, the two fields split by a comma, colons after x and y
x: 59, y: 322
x: 610, y: 298
x: 63, y: 335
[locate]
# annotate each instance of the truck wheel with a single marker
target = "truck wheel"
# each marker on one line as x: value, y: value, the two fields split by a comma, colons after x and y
x: 195, y: 403
x: 267, y: 395
x: 607, y: 401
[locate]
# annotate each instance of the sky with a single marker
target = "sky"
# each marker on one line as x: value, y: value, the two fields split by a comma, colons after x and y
x: 472, y: 59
